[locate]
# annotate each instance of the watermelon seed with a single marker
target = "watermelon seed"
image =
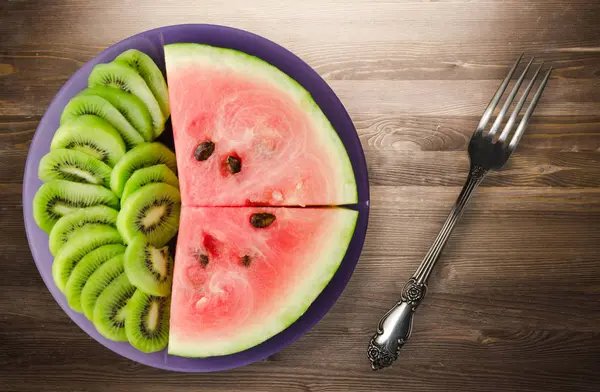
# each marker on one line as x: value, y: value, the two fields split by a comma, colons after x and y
x: 262, y: 220
x: 202, y: 259
x: 246, y: 261
x: 234, y: 164
x: 204, y: 150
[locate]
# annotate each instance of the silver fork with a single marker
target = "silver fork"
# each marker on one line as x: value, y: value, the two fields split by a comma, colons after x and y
x: 487, y: 151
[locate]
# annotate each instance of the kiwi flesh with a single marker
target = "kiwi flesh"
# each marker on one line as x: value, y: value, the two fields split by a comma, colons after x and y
x: 68, y: 224
x: 127, y: 79
x: 152, y: 211
x: 81, y: 243
x: 110, y: 311
x: 57, y: 198
x: 97, y: 106
x: 91, y: 135
x: 149, y: 175
x: 130, y: 106
x: 86, y: 267
x: 139, y: 157
x: 147, y: 69
x: 73, y: 165
x: 97, y: 282
x: 147, y: 322
x: 149, y: 268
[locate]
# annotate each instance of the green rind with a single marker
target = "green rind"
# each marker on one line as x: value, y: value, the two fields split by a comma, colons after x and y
x: 144, y: 155
x: 109, y: 298
x: 79, y: 133
x: 136, y: 86
x: 130, y: 106
x: 65, y: 226
x: 100, y: 107
x: 149, y: 175
x: 313, y: 285
x: 85, y: 268
x: 98, y: 281
x: 81, y: 243
x: 136, y: 318
x: 182, y: 55
x: 126, y: 221
x: 147, y: 69
x: 144, y: 276
x: 64, y: 164
x: 78, y: 196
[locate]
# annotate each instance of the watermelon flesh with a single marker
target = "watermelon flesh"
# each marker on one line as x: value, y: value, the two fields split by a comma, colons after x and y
x: 290, y: 155
x: 236, y: 285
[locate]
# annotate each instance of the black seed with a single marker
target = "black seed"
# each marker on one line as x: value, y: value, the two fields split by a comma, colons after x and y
x: 234, y: 164
x: 202, y: 258
x: 204, y: 150
x: 262, y: 220
x: 246, y: 261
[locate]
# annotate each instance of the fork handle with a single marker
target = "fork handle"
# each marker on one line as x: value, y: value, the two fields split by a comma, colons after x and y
x: 395, y: 326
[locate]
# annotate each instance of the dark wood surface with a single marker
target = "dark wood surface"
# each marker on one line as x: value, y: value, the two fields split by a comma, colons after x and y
x: 514, y: 304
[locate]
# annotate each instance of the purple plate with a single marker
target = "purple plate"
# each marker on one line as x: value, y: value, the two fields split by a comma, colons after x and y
x: 151, y: 42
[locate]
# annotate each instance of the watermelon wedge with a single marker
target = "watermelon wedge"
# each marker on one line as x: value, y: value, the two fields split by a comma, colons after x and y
x: 244, y: 274
x: 247, y: 134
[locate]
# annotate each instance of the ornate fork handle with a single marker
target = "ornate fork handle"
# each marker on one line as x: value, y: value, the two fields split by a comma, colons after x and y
x: 395, y: 326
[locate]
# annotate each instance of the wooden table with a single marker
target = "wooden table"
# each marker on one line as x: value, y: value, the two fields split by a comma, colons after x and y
x: 514, y: 304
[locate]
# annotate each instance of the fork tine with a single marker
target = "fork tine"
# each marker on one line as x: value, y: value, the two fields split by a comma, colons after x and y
x: 509, y: 100
x: 513, y: 117
x: 487, y: 114
x: 521, y: 128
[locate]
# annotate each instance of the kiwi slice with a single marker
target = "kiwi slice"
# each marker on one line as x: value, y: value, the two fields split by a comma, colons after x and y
x: 147, y: 69
x: 91, y: 135
x: 130, y: 106
x: 57, y: 198
x: 73, y: 165
x: 93, y: 105
x: 152, y: 211
x: 149, y: 175
x: 68, y: 224
x: 147, y: 322
x: 81, y: 243
x: 97, y: 282
x: 110, y: 311
x: 86, y: 267
x: 148, y: 268
x: 127, y: 79
x: 143, y: 155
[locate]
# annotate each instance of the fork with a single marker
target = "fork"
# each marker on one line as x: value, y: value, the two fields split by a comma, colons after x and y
x: 487, y: 152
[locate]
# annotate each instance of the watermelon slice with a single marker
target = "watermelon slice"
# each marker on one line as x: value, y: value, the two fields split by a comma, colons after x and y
x: 247, y: 134
x: 244, y: 274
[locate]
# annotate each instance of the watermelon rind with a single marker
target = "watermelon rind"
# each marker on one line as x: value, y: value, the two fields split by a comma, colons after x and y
x: 182, y: 55
x: 327, y: 262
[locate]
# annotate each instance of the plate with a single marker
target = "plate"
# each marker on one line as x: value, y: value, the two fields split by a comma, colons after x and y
x: 151, y: 42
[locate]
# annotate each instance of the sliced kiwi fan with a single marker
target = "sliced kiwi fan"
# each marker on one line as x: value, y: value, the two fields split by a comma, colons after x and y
x: 110, y: 202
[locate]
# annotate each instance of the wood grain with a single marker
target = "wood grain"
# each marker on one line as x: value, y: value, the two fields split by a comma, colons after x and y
x: 513, y: 304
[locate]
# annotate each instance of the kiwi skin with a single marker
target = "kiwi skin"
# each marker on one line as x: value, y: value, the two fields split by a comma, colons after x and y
x: 130, y: 106
x: 68, y: 224
x: 98, y: 281
x: 81, y: 243
x: 110, y: 311
x: 57, y: 198
x: 72, y: 165
x: 149, y: 175
x: 86, y: 267
x: 154, y: 199
x: 147, y: 322
x: 143, y: 155
x: 148, y: 268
